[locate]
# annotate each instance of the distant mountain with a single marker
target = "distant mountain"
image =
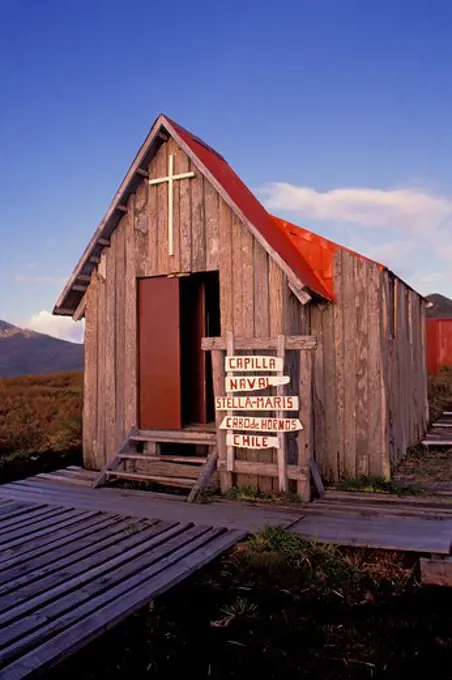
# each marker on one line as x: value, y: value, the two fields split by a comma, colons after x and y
x: 441, y: 307
x: 25, y: 352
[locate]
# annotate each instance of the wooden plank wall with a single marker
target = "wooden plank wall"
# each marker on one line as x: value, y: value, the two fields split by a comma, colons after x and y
x: 348, y: 426
x: 255, y: 300
x: 405, y: 378
x: 110, y: 357
x: 369, y: 372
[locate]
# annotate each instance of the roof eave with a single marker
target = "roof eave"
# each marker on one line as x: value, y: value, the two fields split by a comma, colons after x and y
x: 116, y: 210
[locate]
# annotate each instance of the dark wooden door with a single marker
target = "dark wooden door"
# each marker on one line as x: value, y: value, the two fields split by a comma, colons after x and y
x: 159, y: 353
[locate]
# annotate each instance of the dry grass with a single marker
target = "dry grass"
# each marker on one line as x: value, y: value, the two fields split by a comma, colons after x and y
x: 39, y: 415
x: 375, y: 484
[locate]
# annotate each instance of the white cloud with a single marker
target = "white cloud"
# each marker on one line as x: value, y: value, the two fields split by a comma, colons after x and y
x: 403, y: 209
x: 432, y: 282
x: 407, y: 229
x: 58, y: 326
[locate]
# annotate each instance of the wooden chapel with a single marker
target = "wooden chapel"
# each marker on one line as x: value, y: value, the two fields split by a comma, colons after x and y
x: 188, y: 272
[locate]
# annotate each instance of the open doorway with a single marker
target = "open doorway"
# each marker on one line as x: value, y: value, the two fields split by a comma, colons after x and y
x: 175, y: 374
x: 200, y: 317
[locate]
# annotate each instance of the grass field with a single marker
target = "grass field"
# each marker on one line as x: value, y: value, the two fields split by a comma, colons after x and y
x: 40, y: 423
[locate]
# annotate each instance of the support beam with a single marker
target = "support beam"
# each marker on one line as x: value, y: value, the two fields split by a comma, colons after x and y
x: 121, y: 208
x: 281, y: 452
x: 300, y: 293
x: 218, y: 375
x: 305, y: 436
x: 63, y: 311
x: 206, y: 473
x: 316, y: 478
x: 104, y: 242
x: 297, y: 342
x: 230, y: 451
x: 142, y: 172
x: 80, y: 310
x: 94, y: 259
x: 79, y: 289
x: 84, y: 277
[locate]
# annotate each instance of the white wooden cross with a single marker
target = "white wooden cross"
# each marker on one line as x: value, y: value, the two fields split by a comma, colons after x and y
x: 170, y: 179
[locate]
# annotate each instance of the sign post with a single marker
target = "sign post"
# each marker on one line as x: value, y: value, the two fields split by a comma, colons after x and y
x: 241, y: 429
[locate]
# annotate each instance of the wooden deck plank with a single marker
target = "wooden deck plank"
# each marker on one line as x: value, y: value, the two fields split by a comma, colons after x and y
x: 12, y: 549
x: 39, y: 567
x: 368, y: 496
x: 28, y: 520
x: 21, y: 510
x: 69, y: 594
x: 39, y: 547
x: 403, y: 534
x: 59, y: 612
x: 85, y: 567
x: 65, y: 479
x: 2, y: 503
x: 79, y: 627
x: 143, y: 504
x: 56, y: 519
x: 9, y: 508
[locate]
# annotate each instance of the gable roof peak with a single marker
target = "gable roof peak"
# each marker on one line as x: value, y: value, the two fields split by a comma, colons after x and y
x: 229, y: 186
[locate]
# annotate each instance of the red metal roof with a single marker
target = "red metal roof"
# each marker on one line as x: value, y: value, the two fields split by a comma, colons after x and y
x: 254, y: 211
x: 310, y: 256
x: 318, y: 252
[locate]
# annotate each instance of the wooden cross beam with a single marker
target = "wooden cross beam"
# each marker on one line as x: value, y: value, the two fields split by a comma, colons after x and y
x: 170, y: 178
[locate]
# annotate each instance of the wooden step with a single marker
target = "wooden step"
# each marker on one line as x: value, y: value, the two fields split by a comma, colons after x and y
x: 143, y: 477
x: 437, y: 442
x: 162, y: 468
x: 175, y: 437
x: 194, y: 460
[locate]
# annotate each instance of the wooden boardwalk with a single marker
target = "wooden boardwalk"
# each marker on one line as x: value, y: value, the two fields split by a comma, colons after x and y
x: 68, y: 574
x: 421, y: 524
x: 75, y: 560
x: 440, y: 433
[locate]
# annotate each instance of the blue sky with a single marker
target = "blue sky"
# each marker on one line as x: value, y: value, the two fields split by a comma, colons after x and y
x: 336, y: 112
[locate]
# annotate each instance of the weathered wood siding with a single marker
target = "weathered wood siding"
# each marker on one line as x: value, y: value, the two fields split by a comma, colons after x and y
x: 405, y: 377
x: 255, y: 300
x: 369, y: 371
x: 348, y: 427
x: 110, y: 356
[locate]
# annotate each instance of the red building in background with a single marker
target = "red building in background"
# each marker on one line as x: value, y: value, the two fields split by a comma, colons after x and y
x: 439, y: 344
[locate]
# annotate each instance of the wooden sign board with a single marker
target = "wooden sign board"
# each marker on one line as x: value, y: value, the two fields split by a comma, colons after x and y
x: 253, y: 363
x: 261, y: 424
x: 256, y: 404
x: 243, y: 383
x: 251, y: 441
